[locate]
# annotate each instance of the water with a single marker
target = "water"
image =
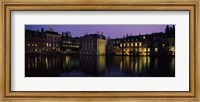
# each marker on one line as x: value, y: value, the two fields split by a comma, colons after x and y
x: 99, y: 66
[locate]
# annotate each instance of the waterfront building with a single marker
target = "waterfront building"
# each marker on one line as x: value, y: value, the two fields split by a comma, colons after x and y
x: 116, y: 46
x: 42, y: 41
x: 93, y: 44
x: 109, y: 47
x: 135, y: 45
x: 69, y: 45
x: 34, y: 41
x: 154, y: 44
x: 52, y: 41
x: 170, y: 31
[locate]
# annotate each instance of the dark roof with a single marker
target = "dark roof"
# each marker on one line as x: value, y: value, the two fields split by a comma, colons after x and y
x: 31, y: 33
x: 95, y: 36
x: 51, y: 32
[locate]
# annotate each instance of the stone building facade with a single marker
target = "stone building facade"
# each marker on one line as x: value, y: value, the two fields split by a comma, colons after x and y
x: 42, y: 41
x: 93, y: 44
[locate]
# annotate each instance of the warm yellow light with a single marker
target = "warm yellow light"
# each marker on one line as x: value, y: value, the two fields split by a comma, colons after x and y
x: 156, y: 49
x: 131, y: 44
x: 128, y: 44
x: 120, y: 45
x: 144, y: 49
x: 148, y: 49
x: 143, y: 37
x: 172, y: 49
x: 140, y: 44
x: 46, y: 44
x: 135, y: 44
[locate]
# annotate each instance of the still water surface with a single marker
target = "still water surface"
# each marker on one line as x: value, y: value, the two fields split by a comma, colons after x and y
x: 99, y: 66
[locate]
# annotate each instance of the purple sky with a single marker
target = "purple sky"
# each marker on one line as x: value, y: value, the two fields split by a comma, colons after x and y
x: 112, y: 31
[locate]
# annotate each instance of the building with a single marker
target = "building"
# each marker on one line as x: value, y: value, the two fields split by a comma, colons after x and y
x: 34, y: 41
x: 52, y: 41
x: 109, y: 47
x: 69, y: 45
x: 116, y: 46
x: 135, y: 45
x: 93, y: 44
x: 42, y: 41
x: 154, y: 44
x: 170, y: 31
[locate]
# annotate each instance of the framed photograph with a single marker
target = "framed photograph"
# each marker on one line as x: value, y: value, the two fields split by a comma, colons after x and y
x: 85, y: 50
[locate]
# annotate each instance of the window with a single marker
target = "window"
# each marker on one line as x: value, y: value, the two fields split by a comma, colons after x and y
x: 140, y: 44
x: 131, y: 44
x: 46, y: 44
x: 128, y: 44
x: 156, y: 49
x: 163, y: 44
x: 135, y: 44
x: 143, y: 37
x: 149, y: 50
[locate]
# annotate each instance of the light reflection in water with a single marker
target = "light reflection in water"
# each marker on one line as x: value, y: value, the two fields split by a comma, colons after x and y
x: 104, y: 66
x: 46, y: 62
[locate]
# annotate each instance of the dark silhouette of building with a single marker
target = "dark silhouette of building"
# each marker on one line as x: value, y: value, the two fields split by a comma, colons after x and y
x: 42, y: 41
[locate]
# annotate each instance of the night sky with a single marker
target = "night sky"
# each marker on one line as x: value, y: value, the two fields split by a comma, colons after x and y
x: 112, y: 31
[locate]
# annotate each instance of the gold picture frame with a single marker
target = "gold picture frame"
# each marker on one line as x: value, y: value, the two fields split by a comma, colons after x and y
x: 123, y: 5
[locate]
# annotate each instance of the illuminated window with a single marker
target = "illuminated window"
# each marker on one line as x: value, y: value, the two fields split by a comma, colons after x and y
x: 32, y: 44
x: 28, y: 44
x: 143, y: 37
x: 163, y: 44
x: 131, y: 44
x: 149, y: 50
x: 124, y: 45
x: 135, y: 50
x: 135, y: 44
x: 128, y: 44
x: 156, y: 49
x: 35, y: 44
x: 140, y: 44
x: 144, y: 49
x: 172, y: 49
x: 46, y: 44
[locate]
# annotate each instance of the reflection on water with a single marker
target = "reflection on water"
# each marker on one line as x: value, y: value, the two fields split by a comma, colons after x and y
x: 99, y: 66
